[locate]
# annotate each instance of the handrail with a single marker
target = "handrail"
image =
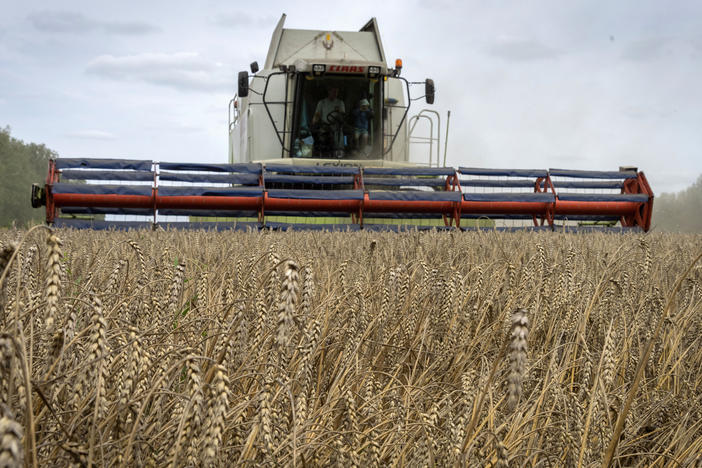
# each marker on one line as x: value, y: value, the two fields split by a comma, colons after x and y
x: 448, y: 120
x: 431, y: 137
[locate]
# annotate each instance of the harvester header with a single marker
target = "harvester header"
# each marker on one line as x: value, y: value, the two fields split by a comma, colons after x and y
x: 279, y: 195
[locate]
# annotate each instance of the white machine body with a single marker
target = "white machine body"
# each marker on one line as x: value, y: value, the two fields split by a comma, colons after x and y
x: 272, y: 118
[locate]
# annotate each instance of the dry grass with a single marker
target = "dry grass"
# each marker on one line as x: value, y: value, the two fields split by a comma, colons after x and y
x: 354, y: 349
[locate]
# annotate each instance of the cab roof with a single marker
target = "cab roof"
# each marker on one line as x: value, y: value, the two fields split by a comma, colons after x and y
x: 289, y: 46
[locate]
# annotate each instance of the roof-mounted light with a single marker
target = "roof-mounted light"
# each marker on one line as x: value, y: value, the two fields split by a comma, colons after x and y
x: 318, y: 69
x: 398, y: 66
x: 328, y: 42
x: 373, y: 72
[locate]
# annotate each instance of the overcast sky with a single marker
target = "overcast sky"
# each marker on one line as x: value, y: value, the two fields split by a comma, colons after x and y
x: 530, y: 84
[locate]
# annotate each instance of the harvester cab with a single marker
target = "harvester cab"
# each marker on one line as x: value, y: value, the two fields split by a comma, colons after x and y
x: 323, y: 97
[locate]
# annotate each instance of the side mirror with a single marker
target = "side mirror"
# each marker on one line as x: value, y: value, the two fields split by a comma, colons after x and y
x: 243, y: 90
x: 429, y: 90
x: 38, y: 196
x: 254, y: 68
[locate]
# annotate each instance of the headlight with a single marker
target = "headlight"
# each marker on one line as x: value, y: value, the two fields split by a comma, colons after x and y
x: 318, y: 69
x: 373, y: 71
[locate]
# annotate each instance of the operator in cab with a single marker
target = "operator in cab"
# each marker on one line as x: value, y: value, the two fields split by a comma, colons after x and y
x: 329, y: 117
x: 329, y: 104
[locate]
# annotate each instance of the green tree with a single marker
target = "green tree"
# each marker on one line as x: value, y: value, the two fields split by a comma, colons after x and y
x: 680, y: 211
x: 21, y: 164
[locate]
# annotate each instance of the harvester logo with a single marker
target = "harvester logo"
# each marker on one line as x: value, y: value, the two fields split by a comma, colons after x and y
x: 337, y: 164
x: 346, y: 69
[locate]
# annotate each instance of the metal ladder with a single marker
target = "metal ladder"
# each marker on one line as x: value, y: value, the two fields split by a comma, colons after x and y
x: 433, y: 138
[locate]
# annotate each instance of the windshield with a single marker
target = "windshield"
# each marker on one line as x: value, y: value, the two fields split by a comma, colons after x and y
x: 337, y: 117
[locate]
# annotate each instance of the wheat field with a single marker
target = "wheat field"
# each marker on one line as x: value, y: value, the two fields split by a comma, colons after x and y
x: 350, y: 349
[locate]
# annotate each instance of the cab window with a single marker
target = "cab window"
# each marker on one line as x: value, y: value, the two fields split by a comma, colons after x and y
x: 337, y: 116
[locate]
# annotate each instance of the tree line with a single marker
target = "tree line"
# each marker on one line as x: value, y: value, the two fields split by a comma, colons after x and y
x: 21, y: 164
x: 680, y: 211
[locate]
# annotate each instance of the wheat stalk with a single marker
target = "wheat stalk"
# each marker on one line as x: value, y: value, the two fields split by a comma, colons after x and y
x: 400, y: 367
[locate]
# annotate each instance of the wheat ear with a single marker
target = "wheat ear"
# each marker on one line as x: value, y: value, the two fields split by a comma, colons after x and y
x: 11, y: 453
x: 6, y: 253
x: 517, y: 356
x: 286, y: 307
x: 53, y: 282
x: 216, y: 414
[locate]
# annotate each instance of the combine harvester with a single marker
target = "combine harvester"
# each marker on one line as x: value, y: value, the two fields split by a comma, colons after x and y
x: 320, y: 138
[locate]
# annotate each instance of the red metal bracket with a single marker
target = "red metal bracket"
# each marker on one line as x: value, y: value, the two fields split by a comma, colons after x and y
x: 51, y: 177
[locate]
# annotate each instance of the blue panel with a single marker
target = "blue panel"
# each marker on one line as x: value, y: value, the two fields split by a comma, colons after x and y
x: 88, y: 189
x: 508, y: 183
x: 353, y: 227
x: 243, y: 179
x: 310, y: 214
x: 397, y: 182
x: 96, y: 211
x: 510, y: 197
x: 403, y: 228
x: 568, y: 229
x: 101, y: 225
x: 317, y: 194
x: 297, y: 179
x: 290, y: 169
x: 73, y: 174
x: 208, y: 213
x: 613, y: 184
x: 605, y: 229
x: 249, y: 214
x: 175, y: 191
x: 558, y: 217
x: 503, y: 172
x: 604, y: 197
x: 545, y: 227
x: 96, y: 163
x: 210, y: 226
x: 593, y: 174
x: 414, y: 195
x: 586, y: 218
x: 468, y: 215
x: 313, y: 227
x: 405, y: 215
x: 410, y: 171
x: 243, y: 168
